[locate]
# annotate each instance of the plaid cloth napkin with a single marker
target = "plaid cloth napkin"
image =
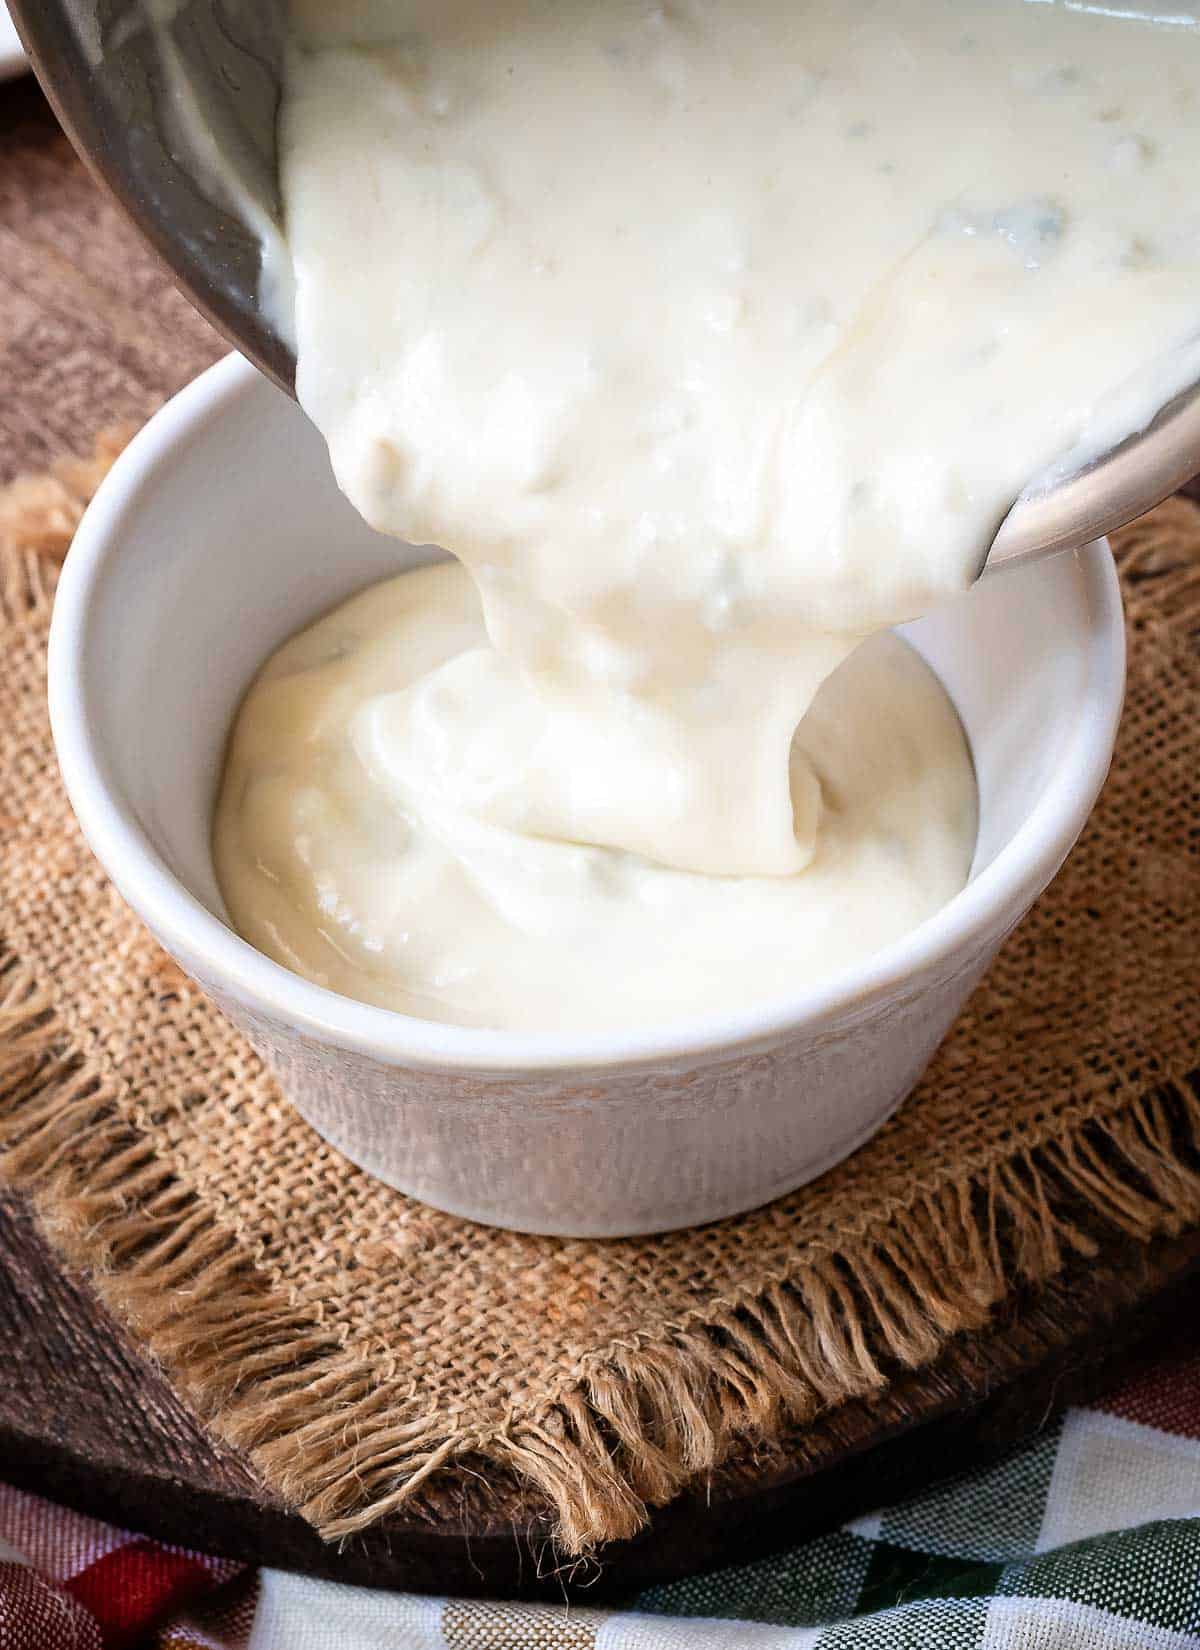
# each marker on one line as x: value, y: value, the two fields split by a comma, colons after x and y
x: 1086, y: 1539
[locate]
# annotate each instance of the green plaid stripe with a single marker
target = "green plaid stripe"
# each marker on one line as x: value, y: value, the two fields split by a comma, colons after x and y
x: 898, y: 1576
x: 817, y: 1583
x: 947, y: 1623
x: 991, y: 1515
x: 1150, y: 1574
x: 963, y: 1565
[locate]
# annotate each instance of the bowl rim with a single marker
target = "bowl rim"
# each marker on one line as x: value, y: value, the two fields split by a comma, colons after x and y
x: 990, y: 903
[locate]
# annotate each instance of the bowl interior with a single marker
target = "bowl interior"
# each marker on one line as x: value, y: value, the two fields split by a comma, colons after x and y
x: 224, y: 532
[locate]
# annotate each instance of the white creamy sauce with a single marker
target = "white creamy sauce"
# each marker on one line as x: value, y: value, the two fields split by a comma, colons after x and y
x: 338, y: 860
x: 711, y: 336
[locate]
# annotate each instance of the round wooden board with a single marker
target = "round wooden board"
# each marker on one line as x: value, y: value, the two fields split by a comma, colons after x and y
x: 86, y: 1420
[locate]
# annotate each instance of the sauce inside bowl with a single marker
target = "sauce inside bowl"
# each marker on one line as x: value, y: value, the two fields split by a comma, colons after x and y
x: 340, y: 857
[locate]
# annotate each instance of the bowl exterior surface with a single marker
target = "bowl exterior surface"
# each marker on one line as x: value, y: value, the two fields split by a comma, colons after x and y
x: 597, y: 1137
x: 623, y: 1150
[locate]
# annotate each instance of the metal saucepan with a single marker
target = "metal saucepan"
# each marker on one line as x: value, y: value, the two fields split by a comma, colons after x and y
x: 147, y: 89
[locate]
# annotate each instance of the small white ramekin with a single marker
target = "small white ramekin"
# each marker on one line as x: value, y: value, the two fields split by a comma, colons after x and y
x: 219, y: 533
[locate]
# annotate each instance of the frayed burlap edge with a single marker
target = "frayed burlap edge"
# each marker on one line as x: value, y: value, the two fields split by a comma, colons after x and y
x: 638, y: 1420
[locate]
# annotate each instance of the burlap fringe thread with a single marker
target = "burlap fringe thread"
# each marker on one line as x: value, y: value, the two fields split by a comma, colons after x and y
x: 633, y: 1424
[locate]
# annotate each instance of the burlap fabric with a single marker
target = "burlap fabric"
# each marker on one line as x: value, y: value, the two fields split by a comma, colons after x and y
x: 357, y: 1343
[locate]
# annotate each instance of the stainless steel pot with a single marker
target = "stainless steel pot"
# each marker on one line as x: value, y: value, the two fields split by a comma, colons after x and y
x: 141, y: 87
x: 148, y: 89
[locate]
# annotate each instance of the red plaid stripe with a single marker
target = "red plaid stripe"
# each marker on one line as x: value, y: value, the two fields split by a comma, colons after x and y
x: 139, y: 1585
x: 1166, y: 1397
x: 82, y: 1585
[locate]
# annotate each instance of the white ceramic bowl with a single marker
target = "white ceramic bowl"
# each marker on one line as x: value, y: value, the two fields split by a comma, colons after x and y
x: 218, y: 534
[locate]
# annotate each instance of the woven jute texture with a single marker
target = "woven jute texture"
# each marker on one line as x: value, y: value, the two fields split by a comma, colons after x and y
x: 357, y: 1343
